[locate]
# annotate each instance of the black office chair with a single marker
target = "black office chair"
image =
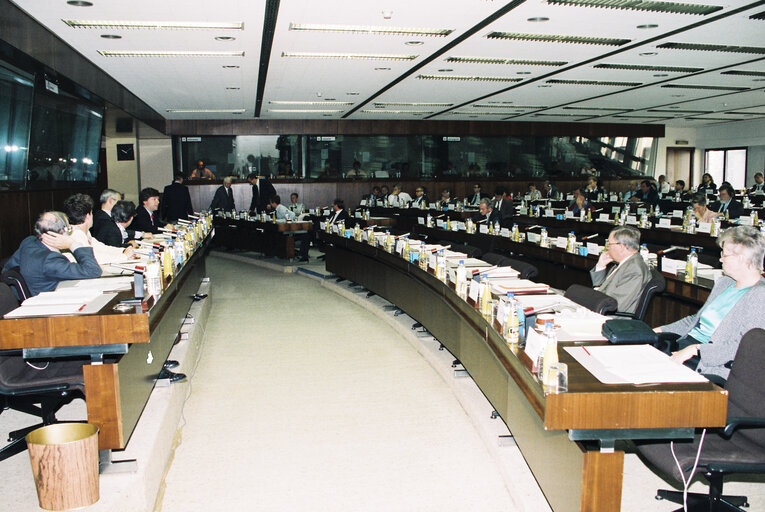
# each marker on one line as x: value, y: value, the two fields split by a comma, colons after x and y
x: 592, y: 299
x: 22, y: 386
x: 739, y: 448
x: 654, y: 286
x: 526, y: 270
x: 468, y: 250
x: 13, y: 278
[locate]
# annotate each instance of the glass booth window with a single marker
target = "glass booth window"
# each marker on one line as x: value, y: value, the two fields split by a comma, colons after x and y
x: 238, y: 156
x: 16, y: 93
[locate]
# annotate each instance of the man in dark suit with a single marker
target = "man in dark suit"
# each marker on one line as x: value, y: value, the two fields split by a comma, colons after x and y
x: 102, y: 218
x: 475, y: 199
x: 42, y: 265
x: 759, y: 184
x: 146, y: 216
x: 727, y: 204
x: 224, y: 197
x: 647, y: 194
x: 338, y: 213
x: 116, y: 233
x: 487, y: 215
x: 176, y: 201
x: 503, y: 206
x: 262, y: 191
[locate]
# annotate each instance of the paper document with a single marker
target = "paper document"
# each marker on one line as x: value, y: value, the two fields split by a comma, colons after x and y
x: 503, y: 286
x: 579, y: 323
x: 68, y: 296
x: 632, y: 364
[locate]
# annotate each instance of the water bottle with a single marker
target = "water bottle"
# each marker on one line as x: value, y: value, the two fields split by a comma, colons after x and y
x: 485, y: 296
x: 497, y: 228
x: 153, y: 276
x: 521, y: 322
x: 571, y: 244
x: 512, y: 334
x: 644, y: 253
x: 551, y: 355
x: 441, y: 266
x: 543, y: 237
x: 461, y: 280
x: 423, y: 257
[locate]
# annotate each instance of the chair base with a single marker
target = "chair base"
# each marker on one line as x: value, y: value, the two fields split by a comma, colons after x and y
x: 698, y: 502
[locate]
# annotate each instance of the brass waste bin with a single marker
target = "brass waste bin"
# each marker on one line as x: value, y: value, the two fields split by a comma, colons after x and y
x: 64, y: 459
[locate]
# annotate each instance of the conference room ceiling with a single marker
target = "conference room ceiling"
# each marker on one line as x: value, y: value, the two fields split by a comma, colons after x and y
x: 618, y: 61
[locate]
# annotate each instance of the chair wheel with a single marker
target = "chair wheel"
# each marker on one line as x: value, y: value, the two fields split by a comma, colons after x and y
x: 745, y: 504
x: 658, y: 498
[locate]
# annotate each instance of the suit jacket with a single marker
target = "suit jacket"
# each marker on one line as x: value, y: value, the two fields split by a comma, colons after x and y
x: 223, y: 199
x: 110, y: 234
x: 735, y: 208
x: 143, y: 221
x: 748, y: 313
x: 176, y: 202
x: 336, y: 217
x: 416, y: 201
x: 493, y: 217
x: 261, y: 193
x: 625, y: 282
x: 506, y: 211
x: 43, y: 268
x: 652, y: 197
x: 101, y: 220
x: 757, y: 189
x: 474, y: 199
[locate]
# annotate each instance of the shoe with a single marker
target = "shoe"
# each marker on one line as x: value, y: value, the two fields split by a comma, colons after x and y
x: 172, y: 376
x: 170, y: 363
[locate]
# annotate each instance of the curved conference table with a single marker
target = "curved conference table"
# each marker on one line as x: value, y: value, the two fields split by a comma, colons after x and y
x: 567, y: 439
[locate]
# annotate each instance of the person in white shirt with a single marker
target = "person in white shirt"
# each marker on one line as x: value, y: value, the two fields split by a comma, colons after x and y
x: 399, y: 198
x: 420, y: 198
x: 663, y: 185
x: 282, y: 212
x: 79, y: 209
x: 294, y: 206
x: 534, y: 194
x: 759, y: 185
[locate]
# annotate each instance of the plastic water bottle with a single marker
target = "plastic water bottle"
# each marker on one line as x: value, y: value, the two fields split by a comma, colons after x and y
x: 551, y: 354
x: 521, y: 322
x: 691, y: 266
x: 461, y: 280
x: 485, y: 296
x: 441, y: 266
x: 543, y: 237
x: 153, y: 276
x: 423, y: 257
x: 497, y: 228
x: 512, y: 331
x: 644, y: 253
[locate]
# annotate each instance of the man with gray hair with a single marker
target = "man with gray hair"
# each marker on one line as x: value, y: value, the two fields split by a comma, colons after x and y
x: 39, y: 258
x: 626, y: 279
x: 399, y: 198
x: 224, y: 197
x: 102, y: 218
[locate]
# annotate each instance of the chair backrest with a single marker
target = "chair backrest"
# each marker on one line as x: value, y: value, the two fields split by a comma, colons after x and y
x: 526, y: 270
x: 593, y: 300
x: 654, y: 286
x: 8, y: 300
x: 496, y: 259
x: 745, y: 385
x: 468, y: 250
x: 13, y: 278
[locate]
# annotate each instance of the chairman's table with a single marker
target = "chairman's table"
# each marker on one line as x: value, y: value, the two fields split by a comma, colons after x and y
x: 567, y: 439
x: 115, y: 393
x: 270, y: 238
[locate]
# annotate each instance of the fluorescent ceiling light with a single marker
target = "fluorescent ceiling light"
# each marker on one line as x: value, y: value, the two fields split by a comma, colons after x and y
x: 469, y: 78
x: 412, y: 112
x: 642, y: 5
x: 513, y: 106
x: 552, y: 38
x: 757, y: 50
x: 472, y: 113
x: 205, y: 111
x: 353, y: 56
x: 160, y: 53
x: 161, y: 25
x: 512, y: 62
x: 286, y: 102
x: 638, y: 67
x: 594, y: 82
x: 303, y: 111
x: 395, y: 104
x: 367, y: 29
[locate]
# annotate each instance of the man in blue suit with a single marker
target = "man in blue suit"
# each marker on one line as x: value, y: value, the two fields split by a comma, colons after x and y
x: 42, y: 265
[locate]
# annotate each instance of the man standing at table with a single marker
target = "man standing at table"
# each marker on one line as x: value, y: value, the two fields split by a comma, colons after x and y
x: 625, y: 281
x: 224, y: 197
x: 262, y: 191
x: 503, y: 206
x: 40, y: 260
x: 176, y: 201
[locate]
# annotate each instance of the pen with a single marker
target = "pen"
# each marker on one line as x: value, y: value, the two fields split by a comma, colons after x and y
x: 82, y: 307
x: 585, y: 349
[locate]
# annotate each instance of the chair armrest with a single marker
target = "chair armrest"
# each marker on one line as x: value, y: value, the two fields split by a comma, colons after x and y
x: 624, y: 315
x: 736, y: 423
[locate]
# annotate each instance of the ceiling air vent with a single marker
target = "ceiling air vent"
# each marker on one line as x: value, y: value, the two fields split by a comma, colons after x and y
x: 642, y: 5
x: 549, y: 38
x: 512, y: 62
x: 758, y: 16
x: 594, y: 82
x: 758, y: 50
x: 658, y: 69
x: 704, y: 87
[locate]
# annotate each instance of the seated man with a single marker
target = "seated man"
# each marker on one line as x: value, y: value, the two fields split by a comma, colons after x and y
x: 626, y: 281
x: 487, y: 215
x: 281, y: 211
x: 533, y: 193
x: 727, y: 205
x: 647, y: 194
x: 224, y: 197
x: 759, y: 185
x: 550, y: 190
x: 42, y: 265
x: 79, y: 209
x: 201, y: 172
x: 146, y: 216
x: 117, y: 233
x: 373, y: 198
x: 475, y: 199
x: 420, y: 198
x: 294, y: 206
x: 338, y: 212
x: 680, y: 190
x: 103, y: 216
x: 356, y: 171
x: 632, y: 190
x: 399, y: 198
x: 580, y: 203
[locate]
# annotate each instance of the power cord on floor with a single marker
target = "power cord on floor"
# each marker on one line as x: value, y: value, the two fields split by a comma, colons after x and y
x: 687, y: 483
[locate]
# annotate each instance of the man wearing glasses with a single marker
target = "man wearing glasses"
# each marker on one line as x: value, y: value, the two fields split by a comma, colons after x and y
x: 475, y: 199
x: 625, y: 280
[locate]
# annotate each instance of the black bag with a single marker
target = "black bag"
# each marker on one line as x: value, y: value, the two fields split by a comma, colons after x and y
x: 626, y: 331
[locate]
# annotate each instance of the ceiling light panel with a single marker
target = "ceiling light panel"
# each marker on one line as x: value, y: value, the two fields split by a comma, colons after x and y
x: 643, y: 5
x: 372, y: 30
x: 168, y: 53
x: 557, y: 39
x: 154, y: 25
x: 509, y: 62
x: 348, y: 56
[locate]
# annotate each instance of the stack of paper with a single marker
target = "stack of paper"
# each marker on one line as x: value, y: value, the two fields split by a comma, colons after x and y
x: 503, y: 286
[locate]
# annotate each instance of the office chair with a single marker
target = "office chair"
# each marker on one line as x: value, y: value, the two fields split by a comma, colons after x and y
x: 654, y: 286
x: 739, y: 448
x: 494, y: 258
x: 468, y: 250
x: 13, y: 278
x: 21, y: 386
x: 593, y: 300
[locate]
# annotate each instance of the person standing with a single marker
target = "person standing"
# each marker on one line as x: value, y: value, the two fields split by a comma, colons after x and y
x: 176, y: 201
x: 224, y: 197
x: 262, y: 191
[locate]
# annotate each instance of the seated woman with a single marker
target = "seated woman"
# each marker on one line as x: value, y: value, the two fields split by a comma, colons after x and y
x: 700, y: 210
x: 707, y: 185
x: 735, y: 305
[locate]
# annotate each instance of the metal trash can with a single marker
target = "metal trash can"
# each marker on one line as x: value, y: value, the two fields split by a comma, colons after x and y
x: 64, y: 459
